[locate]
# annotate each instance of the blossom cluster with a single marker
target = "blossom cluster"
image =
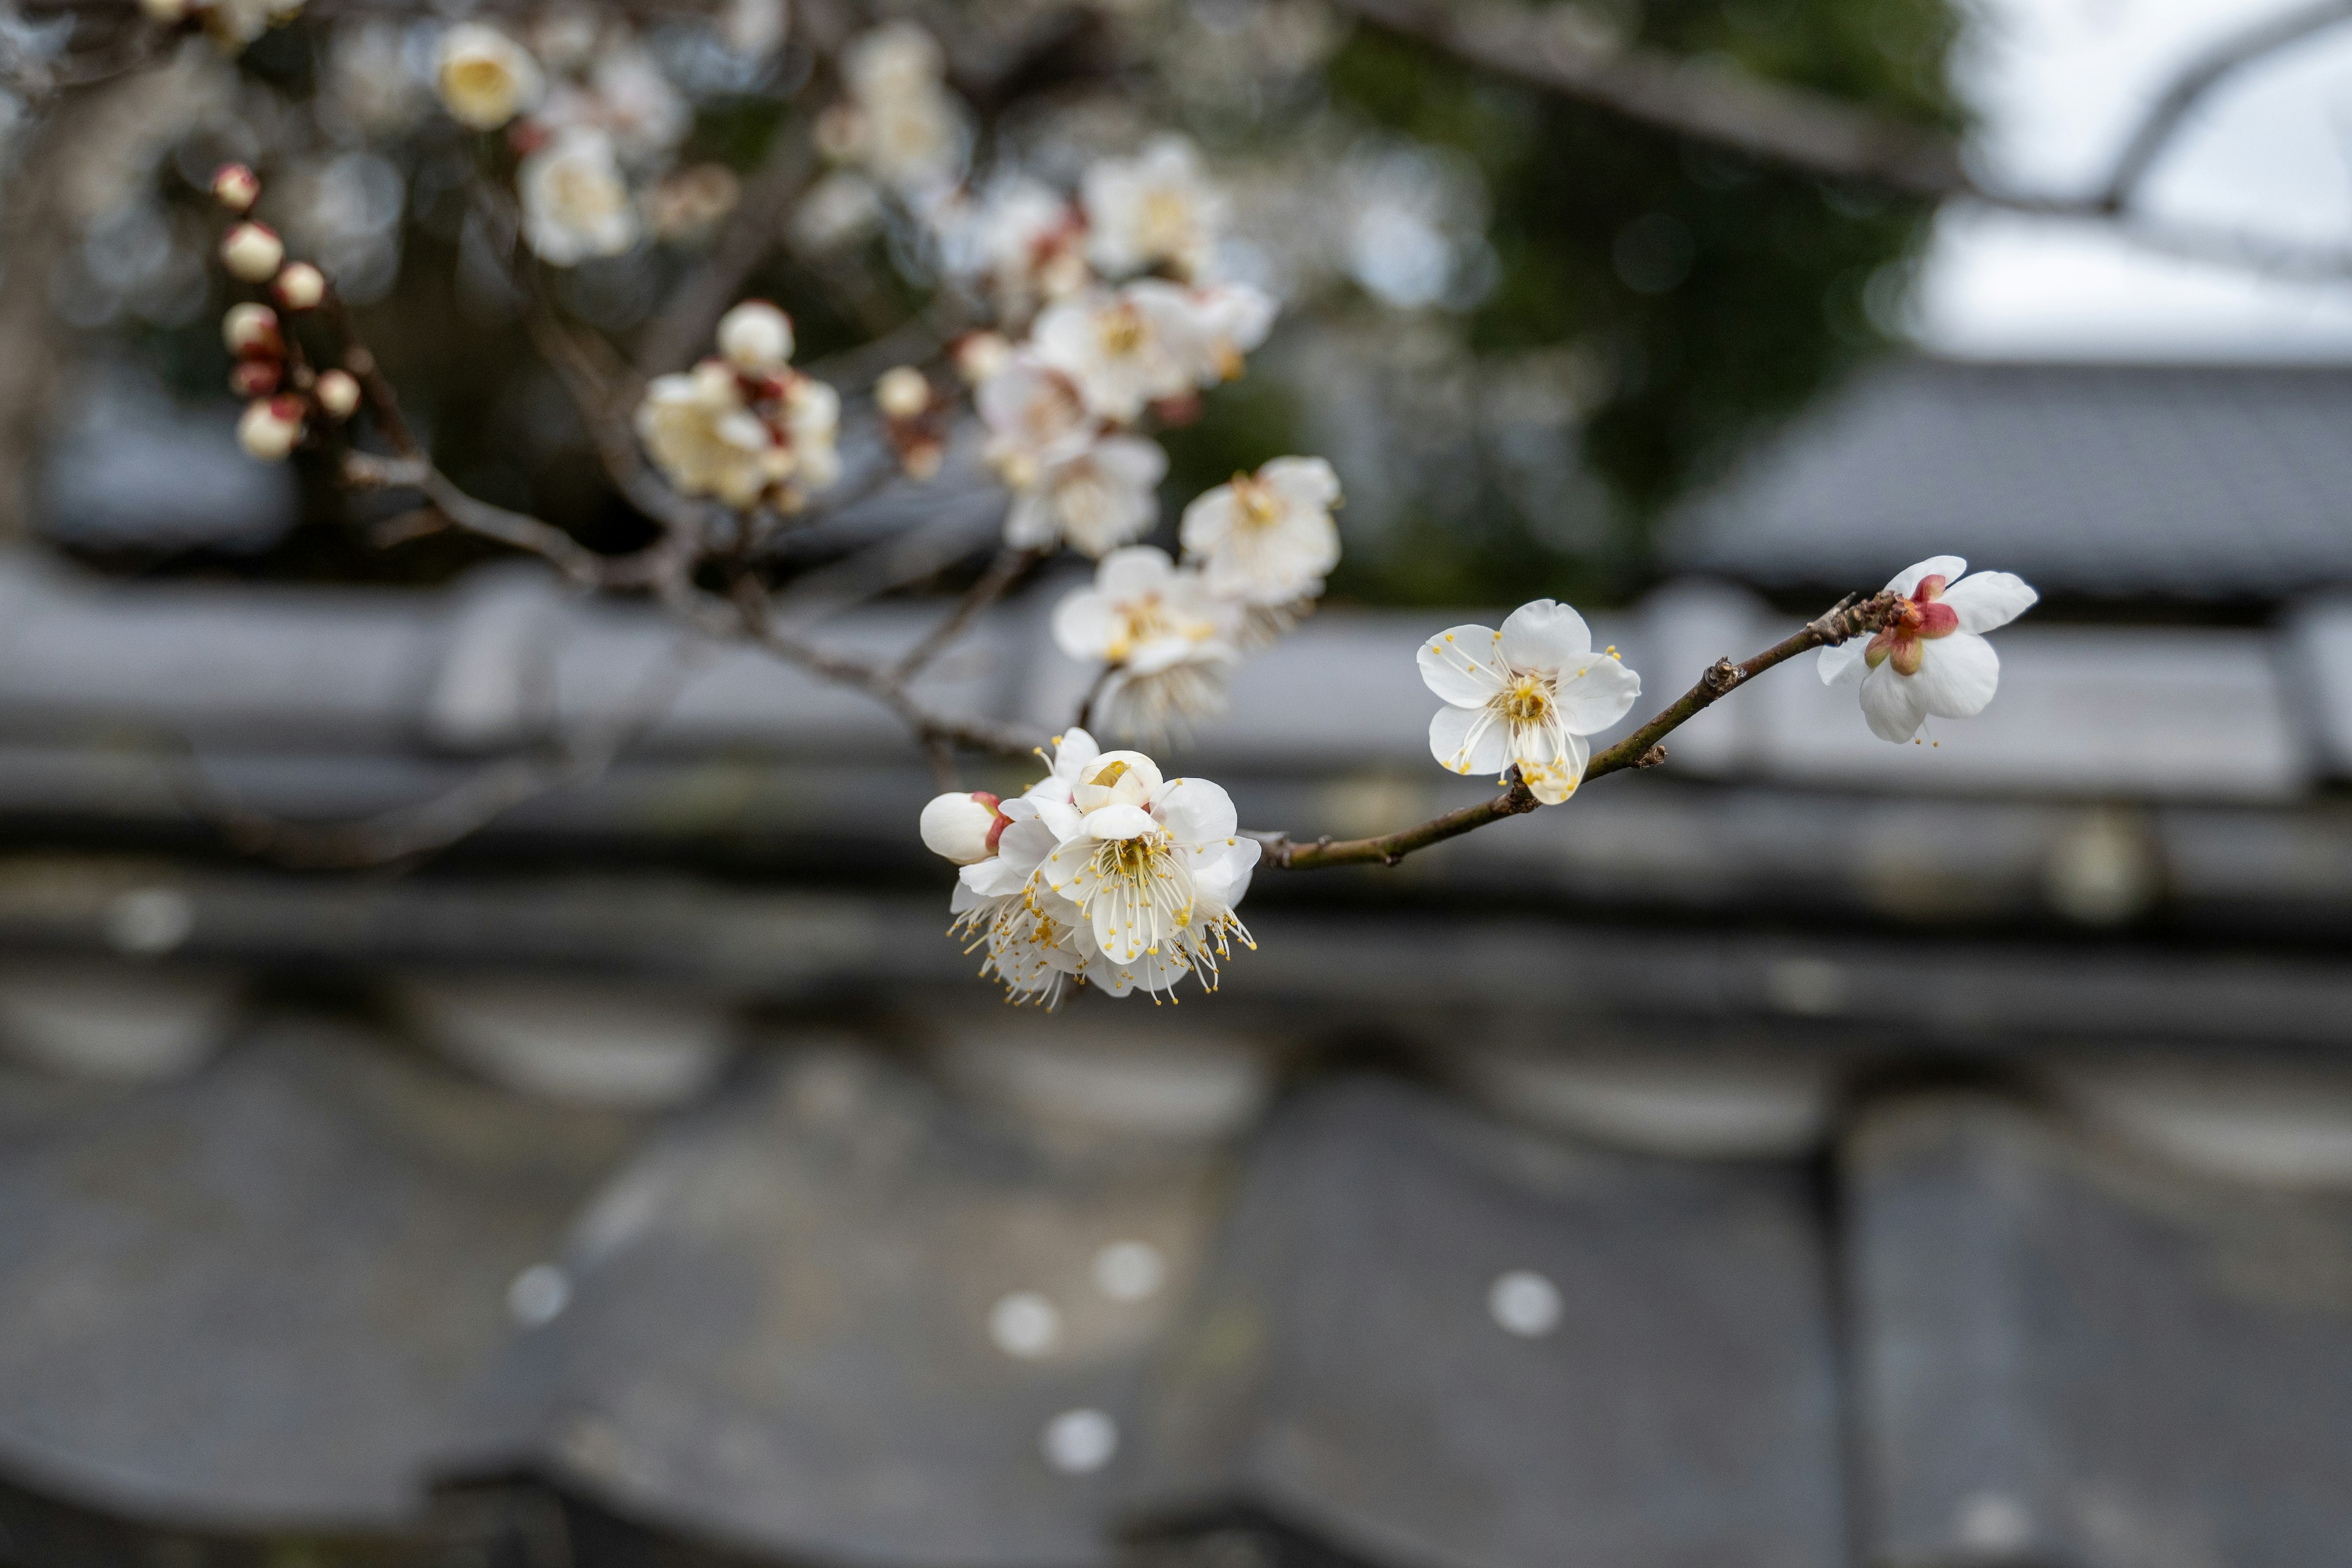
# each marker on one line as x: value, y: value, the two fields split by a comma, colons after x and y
x: 1104, y: 872
x: 745, y: 428
x: 283, y: 393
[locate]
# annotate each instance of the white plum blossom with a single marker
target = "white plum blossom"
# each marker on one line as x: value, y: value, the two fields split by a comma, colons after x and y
x: 486, y: 79
x: 1125, y: 349
x: 1267, y: 538
x: 1168, y: 640
x: 1036, y: 417
x: 1933, y: 660
x: 1096, y: 498
x: 756, y: 336
x: 575, y: 205
x: 743, y: 438
x: 1021, y: 241
x: 1155, y: 209
x: 1154, y: 872
x: 900, y: 123
x: 1525, y: 697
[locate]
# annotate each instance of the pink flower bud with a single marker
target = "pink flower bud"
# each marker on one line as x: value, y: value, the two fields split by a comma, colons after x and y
x: 252, y: 252
x: 339, y: 394
x: 902, y: 393
x: 301, y: 287
x: 270, y: 426
x: 251, y: 330
x: 256, y: 377
x: 236, y: 187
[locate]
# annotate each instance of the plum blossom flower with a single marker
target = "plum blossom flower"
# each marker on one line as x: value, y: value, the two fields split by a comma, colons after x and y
x: 486, y: 79
x: 900, y: 122
x: 1096, y: 498
x: 1022, y: 241
x: 1125, y: 349
x: 1155, y: 209
x: 743, y: 438
x: 1036, y: 417
x: 576, y: 205
x: 1030, y: 930
x: 1267, y: 538
x: 1525, y: 697
x: 1932, y: 659
x: 1155, y: 871
x: 1168, y: 640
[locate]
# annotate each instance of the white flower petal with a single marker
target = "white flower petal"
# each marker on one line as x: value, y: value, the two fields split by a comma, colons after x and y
x: 1958, y: 675
x: 1134, y: 571
x: 1304, y: 481
x: 1545, y: 635
x: 1119, y: 822
x: 1462, y: 665
x: 1469, y: 741
x: 1948, y: 567
x: 1085, y: 625
x: 1595, y: 695
x: 1196, y: 811
x: 1990, y: 599
x: 1894, y: 704
x: 1844, y: 664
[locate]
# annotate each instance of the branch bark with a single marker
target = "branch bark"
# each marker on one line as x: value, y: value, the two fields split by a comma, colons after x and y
x: 1639, y: 750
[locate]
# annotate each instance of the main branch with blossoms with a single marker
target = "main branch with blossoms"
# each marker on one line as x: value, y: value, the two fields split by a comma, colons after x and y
x: 1074, y: 324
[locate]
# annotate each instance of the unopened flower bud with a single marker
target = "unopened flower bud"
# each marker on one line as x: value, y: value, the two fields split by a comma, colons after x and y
x: 250, y: 329
x: 269, y: 428
x: 980, y: 356
x: 339, y: 394
x: 921, y: 461
x: 756, y: 336
x: 902, y: 393
x: 962, y: 827
x: 299, y: 286
x: 236, y: 187
x: 252, y: 253
x: 256, y: 377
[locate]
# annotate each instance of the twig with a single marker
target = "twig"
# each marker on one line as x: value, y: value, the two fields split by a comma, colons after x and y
x: 986, y: 590
x: 1639, y: 750
x: 582, y: 565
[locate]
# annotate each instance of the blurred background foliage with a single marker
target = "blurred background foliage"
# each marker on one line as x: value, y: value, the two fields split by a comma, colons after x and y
x: 1520, y: 328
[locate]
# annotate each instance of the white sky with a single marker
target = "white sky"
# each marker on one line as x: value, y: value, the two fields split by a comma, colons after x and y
x: 2059, y: 85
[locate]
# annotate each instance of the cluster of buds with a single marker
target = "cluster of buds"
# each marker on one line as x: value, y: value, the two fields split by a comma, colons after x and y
x: 281, y: 393
x: 745, y: 427
x: 915, y: 416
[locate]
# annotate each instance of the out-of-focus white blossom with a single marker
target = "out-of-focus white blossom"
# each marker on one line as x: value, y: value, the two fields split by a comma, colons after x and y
x: 838, y: 210
x: 1169, y: 642
x: 902, y: 391
x: 252, y: 252
x: 1525, y: 697
x: 485, y: 77
x: 1267, y: 538
x: 962, y: 825
x: 575, y: 205
x: 742, y: 437
x: 1022, y: 242
x: 754, y: 30
x: 756, y: 336
x: 1153, y: 210
x: 299, y: 286
x: 1155, y: 872
x: 686, y: 204
x: 1933, y: 660
x: 339, y: 394
x: 980, y: 356
x: 1035, y: 418
x: 900, y: 123
x: 271, y: 427
x: 233, y: 24
x: 1096, y: 498
x: 369, y: 85
x: 1124, y: 349
x: 627, y: 97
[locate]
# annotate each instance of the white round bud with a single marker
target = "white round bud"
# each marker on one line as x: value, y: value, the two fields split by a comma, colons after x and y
x: 339, y: 394
x: 980, y: 356
x: 902, y: 393
x: 299, y: 286
x: 486, y: 79
x: 235, y: 187
x: 959, y: 827
x: 756, y: 336
x: 269, y: 428
x: 252, y: 253
x: 251, y: 328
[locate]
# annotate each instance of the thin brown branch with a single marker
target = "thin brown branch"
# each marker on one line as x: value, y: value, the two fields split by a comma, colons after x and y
x: 2198, y: 80
x: 1639, y: 750
x: 990, y: 586
x: 578, y: 563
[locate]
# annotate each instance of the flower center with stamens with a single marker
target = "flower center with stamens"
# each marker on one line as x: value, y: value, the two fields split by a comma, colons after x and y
x: 1527, y: 701
x: 1255, y: 507
x: 1917, y: 619
x: 1122, y: 332
x: 1167, y: 220
x: 1149, y: 895
x: 1139, y: 621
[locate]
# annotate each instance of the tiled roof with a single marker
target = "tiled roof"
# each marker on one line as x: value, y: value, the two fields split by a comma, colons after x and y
x: 2193, y: 482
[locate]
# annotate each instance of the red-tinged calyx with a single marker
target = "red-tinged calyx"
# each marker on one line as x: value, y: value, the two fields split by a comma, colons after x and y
x: 1917, y: 620
x: 995, y: 828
